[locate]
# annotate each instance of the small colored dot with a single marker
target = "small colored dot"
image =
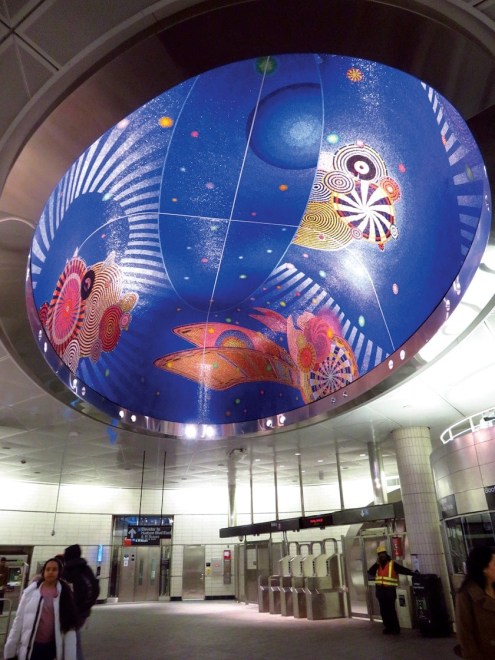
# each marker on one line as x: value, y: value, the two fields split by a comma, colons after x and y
x: 306, y: 255
x: 253, y: 213
x: 186, y: 277
x: 298, y: 293
x: 107, y: 372
x: 211, y: 331
x: 195, y: 134
x: 166, y: 122
x: 210, y: 185
x: 262, y: 392
x: 322, y: 273
x: 157, y: 393
x: 283, y: 187
x: 174, y: 200
x: 395, y: 288
x: 361, y: 321
x: 242, y: 277
x: 204, y: 260
x: 360, y: 143
x: 227, y: 413
x: 228, y: 320
x: 332, y: 138
x: 402, y: 168
x: 283, y: 304
x: 182, y: 169
x: 123, y: 124
x: 188, y: 247
x: 237, y: 401
x: 107, y: 196
x: 179, y: 309
x: 269, y: 251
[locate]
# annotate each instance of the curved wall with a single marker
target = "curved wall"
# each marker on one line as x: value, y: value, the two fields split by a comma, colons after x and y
x: 464, y: 473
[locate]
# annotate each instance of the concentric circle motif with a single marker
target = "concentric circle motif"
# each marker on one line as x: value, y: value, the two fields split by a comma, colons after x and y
x: 369, y: 209
x: 95, y: 350
x: 66, y: 310
x: 336, y: 371
x: 43, y: 313
x: 322, y: 228
x: 110, y: 328
x: 319, y: 190
x: 339, y: 182
x: 128, y: 301
x: 72, y: 355
x: 361, y: 162
x: 233, y: 339
x: 391, y: 187
x: 106, y: 291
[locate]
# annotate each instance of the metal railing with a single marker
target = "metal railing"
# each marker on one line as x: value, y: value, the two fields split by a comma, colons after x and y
x: 480, y: 420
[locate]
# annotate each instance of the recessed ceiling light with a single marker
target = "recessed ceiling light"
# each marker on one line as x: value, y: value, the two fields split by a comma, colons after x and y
x: 298, y: 453
x: 320, y: 460
x: 362, y: 454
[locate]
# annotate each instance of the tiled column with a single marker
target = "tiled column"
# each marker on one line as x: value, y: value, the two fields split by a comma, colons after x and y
x: 413, y: 449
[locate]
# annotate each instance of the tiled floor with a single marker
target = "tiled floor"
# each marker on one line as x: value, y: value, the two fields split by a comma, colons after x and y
x: 219, y: 630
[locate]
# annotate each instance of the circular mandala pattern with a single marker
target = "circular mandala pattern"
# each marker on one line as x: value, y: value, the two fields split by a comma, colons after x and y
x: 335, y: 372
x: 391, y: 187
x: 66, y: 310
x: 233, y: 339
x: 322, y: 228
x: 124, y: 321
x: 110, y: 328
x: 339, y: 182
x: 72, y: 354
x: 369, y: 209
x: 394, y: 232
x: 356, y: 233
x: 361, y: 162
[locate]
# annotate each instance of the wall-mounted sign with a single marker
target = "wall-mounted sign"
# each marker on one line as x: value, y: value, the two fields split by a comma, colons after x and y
x: 147, y: 534
x: 490, y: 496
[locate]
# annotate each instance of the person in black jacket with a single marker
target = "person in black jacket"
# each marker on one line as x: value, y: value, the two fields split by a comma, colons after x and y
x: 85, y: 587
x: 386, y: 573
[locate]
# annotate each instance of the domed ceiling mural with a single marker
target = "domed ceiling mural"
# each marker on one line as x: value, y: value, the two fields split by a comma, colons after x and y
x: 258, y: 244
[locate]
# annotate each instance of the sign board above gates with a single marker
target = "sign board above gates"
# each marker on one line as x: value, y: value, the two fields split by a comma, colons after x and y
x: 147, y: 534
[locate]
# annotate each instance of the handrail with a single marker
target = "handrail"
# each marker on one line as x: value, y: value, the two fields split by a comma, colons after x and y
x: 475, y: 422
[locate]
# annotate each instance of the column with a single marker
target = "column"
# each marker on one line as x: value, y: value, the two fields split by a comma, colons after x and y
x: 413, y: 449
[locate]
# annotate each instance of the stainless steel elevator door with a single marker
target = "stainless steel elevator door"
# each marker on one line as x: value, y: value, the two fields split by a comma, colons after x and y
x: 193, y: 577
x: 139, y: 576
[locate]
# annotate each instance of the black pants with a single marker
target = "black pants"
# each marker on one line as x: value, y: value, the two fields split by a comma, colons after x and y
x: 2, y: 596
x: 44, y: 651
x: 386, y: 599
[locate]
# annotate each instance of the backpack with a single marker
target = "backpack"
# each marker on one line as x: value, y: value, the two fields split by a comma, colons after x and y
x: 86, y: 590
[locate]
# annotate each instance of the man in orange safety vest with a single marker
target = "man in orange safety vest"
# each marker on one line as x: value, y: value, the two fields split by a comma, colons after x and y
x: 385, y: 572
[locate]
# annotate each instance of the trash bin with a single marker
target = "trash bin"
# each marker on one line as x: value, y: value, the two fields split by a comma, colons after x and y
x: 263, y: 602
x: 431, y: 610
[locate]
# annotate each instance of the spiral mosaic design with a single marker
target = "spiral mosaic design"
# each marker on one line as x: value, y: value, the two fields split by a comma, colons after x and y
x: 320, y: 192
x: 110, y: 328
x: 234, y: 339
x: 72, y: 355
x: 106, y: 291
x: 361, y: 162
x: 322, y: 228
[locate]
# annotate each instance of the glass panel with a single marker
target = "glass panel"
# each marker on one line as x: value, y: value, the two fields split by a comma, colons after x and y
x: 141, y: 572
x: 153, y: 570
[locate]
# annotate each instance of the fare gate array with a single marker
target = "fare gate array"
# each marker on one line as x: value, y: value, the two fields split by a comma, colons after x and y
x: 309, y: 583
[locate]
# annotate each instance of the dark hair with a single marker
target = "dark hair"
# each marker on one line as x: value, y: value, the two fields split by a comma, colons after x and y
x: 72, y: 552
x: 478, y: 560
x: 69, y: 619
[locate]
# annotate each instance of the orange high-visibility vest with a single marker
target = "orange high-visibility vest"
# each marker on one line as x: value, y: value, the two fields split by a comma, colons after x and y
x: 386, y: 576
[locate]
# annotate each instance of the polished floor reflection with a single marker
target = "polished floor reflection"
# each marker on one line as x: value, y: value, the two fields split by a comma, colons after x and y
x: 217, y: 630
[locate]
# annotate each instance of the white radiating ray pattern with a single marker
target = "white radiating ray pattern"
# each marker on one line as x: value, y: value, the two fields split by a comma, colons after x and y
x: 459, y: 156
x: 123, y: 166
